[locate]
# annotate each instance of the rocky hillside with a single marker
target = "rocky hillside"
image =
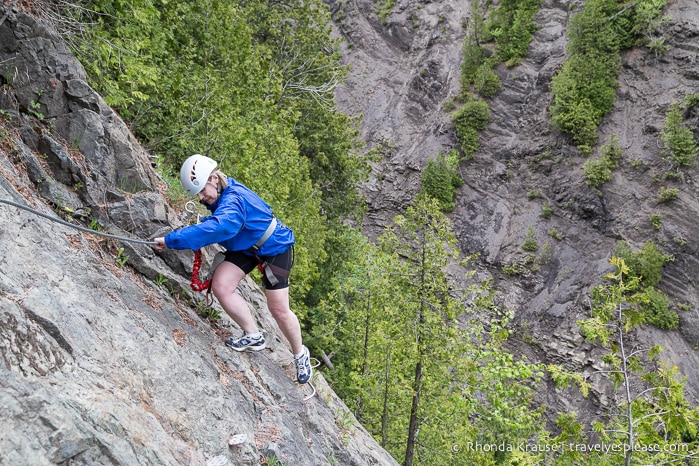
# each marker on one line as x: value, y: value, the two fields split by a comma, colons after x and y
x: 104, y: 359
x: 403, y: 72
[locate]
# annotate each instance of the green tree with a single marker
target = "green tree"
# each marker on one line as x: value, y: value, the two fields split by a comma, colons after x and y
x: 440, y: 179
x: 421, y: 236
x: 530, y: 243
x: 421, y: 363
x: 473, y: 53
x: 646, y: 263
x: 511, y: 25
x: 305, y: 58
x: 487, y: 83
x: 649, y: 24
x: 584, y: 89
x: 653, y: 422
x: 599, y: 171
x: 680, y: 148
x: 249, y: 84
x: 473, y: 116
x: 645, y: 266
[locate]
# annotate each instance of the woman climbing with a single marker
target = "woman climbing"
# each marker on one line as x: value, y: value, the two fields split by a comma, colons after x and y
x: 243, y: 224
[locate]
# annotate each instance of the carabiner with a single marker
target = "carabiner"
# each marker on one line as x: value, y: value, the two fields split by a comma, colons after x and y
x: 190, y: 208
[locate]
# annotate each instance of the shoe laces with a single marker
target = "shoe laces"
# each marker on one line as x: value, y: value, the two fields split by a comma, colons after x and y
x: 303, y: 364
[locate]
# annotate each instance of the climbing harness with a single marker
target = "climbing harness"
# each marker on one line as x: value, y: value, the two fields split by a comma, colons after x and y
x: 267, y: 269
x: 268, y: 232
x: 72, y: 225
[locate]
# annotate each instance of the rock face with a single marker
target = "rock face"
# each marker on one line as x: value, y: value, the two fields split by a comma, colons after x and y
x: 102, y: 359
x: 403, y: 72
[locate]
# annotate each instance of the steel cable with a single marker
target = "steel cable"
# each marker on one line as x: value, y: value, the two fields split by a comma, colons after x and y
x: 77, y: 227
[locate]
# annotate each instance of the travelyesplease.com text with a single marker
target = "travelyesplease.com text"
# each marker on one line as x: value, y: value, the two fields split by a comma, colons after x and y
x: 563, y: 447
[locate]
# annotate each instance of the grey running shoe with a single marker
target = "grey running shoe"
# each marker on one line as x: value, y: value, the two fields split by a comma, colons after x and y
x: 246, y: 342
x: 303, y: 366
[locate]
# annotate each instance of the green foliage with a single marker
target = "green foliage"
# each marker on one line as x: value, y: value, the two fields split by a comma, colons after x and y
x: 555, y: 234
x: 250, y: 85
x: 649, y: 24
x: 34, y: 107
x: 655, y: 306
x: 644, y: 268
x: 512, y: 26
x: 583, y: 92
x: 121, y: 258
x: 210, y: 313
x: 473, y: 60
x: 473, y: 116
x: 331, y: 144
x: 545, y: 255
x: 413, y: 360
x: 513, y: 269
x: 474, y: 55
x: 121, y: 35
x: 667, y: 194
x: 690, y: 101
x: 680, y: 147
x: 652, y: 420
x: 530, y: 243
x: 584, y: 89
x: 486, y: 82
x: 441, y: 178
x: 307, y: 63
x: 646, y: 263
x: 599, y: 171
x: 656, y: 220
x: 595, y: 29
x: 546, y: 211
x: 534, y: 194
x: 95, y: 225
x: 383, y: 9
x: 572, y: 115
x: 160, y: 281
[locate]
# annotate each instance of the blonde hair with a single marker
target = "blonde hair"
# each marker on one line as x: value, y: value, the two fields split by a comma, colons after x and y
x: 222, y: 179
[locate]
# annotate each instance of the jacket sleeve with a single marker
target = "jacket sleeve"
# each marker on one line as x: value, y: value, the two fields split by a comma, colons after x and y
x: 223, y: 224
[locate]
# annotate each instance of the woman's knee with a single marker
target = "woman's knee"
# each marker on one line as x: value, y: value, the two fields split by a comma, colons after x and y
x: 280, y: 312
x: 221, y: 288
x: 226, y: 279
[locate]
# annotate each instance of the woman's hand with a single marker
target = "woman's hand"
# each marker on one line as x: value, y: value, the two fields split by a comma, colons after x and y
x: 159, y: 244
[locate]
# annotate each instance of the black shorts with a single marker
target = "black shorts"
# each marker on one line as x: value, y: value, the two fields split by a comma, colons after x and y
x: 247, y: 263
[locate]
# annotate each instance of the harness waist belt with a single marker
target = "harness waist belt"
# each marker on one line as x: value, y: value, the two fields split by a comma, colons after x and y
x: 268, y: 232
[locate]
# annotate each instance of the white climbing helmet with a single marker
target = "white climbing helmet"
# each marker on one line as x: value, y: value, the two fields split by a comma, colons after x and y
x: 195, y: 172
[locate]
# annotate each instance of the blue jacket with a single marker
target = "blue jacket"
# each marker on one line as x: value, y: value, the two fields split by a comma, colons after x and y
x: 238, y: 219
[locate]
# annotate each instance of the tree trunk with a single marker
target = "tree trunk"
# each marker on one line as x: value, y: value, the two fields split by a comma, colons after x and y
x: 384, y: 412
x: 413, y: 427
x: 417, y: 381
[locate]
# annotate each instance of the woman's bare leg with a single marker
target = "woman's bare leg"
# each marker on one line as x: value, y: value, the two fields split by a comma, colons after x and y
x: 278, y: 304
x: 225, y: 286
